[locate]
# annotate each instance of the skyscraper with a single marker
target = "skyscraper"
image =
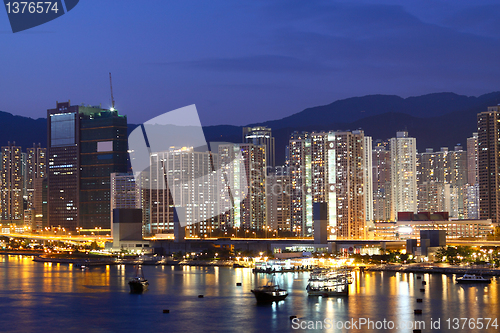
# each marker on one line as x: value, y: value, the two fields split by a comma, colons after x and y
x: 85, y: 145
x: 11, y: 199
x: 488, y: 163
x: 403, y: 174
x: 103, y: 151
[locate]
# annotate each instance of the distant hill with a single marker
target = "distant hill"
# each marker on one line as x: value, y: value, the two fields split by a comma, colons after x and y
x: 436, y: 120
x: 23, y: 130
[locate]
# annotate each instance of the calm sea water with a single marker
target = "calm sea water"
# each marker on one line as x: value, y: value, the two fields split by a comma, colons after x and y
x: 44, y: 297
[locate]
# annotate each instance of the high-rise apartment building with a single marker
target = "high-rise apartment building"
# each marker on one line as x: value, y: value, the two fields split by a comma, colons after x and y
x: 85, y: 145
x: 301, y: 199
x: 329, y: 167
x: 471, y: 189
x: 262, y: 136
x: 368, y: 178
x: 488, y: 129
x: 36, y: 167
x: 11, y: 199
x: 434, y: 171
x: 472, y: 154
x: 381, y: 166
x: 183, y: 180
x: 403, y: 174
x: 346, y: 174
x: 242, y: 189
x: 278, y: 189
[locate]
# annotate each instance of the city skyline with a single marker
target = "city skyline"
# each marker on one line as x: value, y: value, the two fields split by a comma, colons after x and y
x: 275, y: 60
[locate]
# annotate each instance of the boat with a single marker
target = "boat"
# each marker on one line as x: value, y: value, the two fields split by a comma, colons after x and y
x: 151, y: 260
x: 329, y: 282
x: 472, y: 278
x: 138, y: 284
x: 83, y: 267
x: 269, y: 293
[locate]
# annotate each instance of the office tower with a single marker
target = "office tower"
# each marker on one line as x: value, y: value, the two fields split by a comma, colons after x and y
x: 261, y: 135
x: 103, y: 151
x: 63, y: 128
x: 488, y: 163
x: 403, y: 174
x: 85, y: 145
x: 346, y: 176
x: 381, y: 165
x: 301, y: 180
x: 278, y: 189
x: 11, y: 184
x: 242, y: 191
x: 472, y: 154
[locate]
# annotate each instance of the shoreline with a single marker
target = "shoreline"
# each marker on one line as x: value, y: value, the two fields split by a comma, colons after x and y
x: 434, y: 269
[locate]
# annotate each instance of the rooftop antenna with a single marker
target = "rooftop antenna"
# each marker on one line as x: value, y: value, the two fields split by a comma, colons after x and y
x: 112, y: 99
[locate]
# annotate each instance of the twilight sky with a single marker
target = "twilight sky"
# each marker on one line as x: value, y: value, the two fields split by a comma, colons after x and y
x: 247, y: 61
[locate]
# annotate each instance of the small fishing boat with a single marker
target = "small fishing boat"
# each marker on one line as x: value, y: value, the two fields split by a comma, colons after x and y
x: 269, y: 293
x: 138, y: 284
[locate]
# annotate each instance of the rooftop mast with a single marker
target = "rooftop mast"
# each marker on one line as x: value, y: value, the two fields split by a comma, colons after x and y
x: 112, y: 99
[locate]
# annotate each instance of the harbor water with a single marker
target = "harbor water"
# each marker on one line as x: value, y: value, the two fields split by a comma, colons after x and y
x: 49, y: 297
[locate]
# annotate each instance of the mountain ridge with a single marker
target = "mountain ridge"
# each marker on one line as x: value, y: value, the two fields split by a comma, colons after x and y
x: 436, y: 120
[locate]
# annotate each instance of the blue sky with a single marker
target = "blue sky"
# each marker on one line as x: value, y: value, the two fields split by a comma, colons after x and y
x: 247, y: 61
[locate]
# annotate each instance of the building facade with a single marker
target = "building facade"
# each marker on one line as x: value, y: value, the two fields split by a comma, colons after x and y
x: 242, y: 186
x: 403, y: 174
x: 85, y: 145
x: 12, y: 208
x: 488, y: 148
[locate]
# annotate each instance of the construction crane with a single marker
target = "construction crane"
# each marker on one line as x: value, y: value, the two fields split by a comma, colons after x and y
x: 112, y: 99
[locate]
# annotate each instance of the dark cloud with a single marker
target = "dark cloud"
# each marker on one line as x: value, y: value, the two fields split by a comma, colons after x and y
x: 258, y: 63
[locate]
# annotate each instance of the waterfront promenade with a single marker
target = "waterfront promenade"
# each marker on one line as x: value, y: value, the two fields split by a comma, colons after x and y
x: 437, y: 269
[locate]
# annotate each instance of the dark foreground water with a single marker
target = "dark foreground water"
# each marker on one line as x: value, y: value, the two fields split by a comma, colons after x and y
x: 44, y: 297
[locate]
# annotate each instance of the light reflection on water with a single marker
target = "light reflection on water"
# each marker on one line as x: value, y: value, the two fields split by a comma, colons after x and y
x: 48, y: 297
